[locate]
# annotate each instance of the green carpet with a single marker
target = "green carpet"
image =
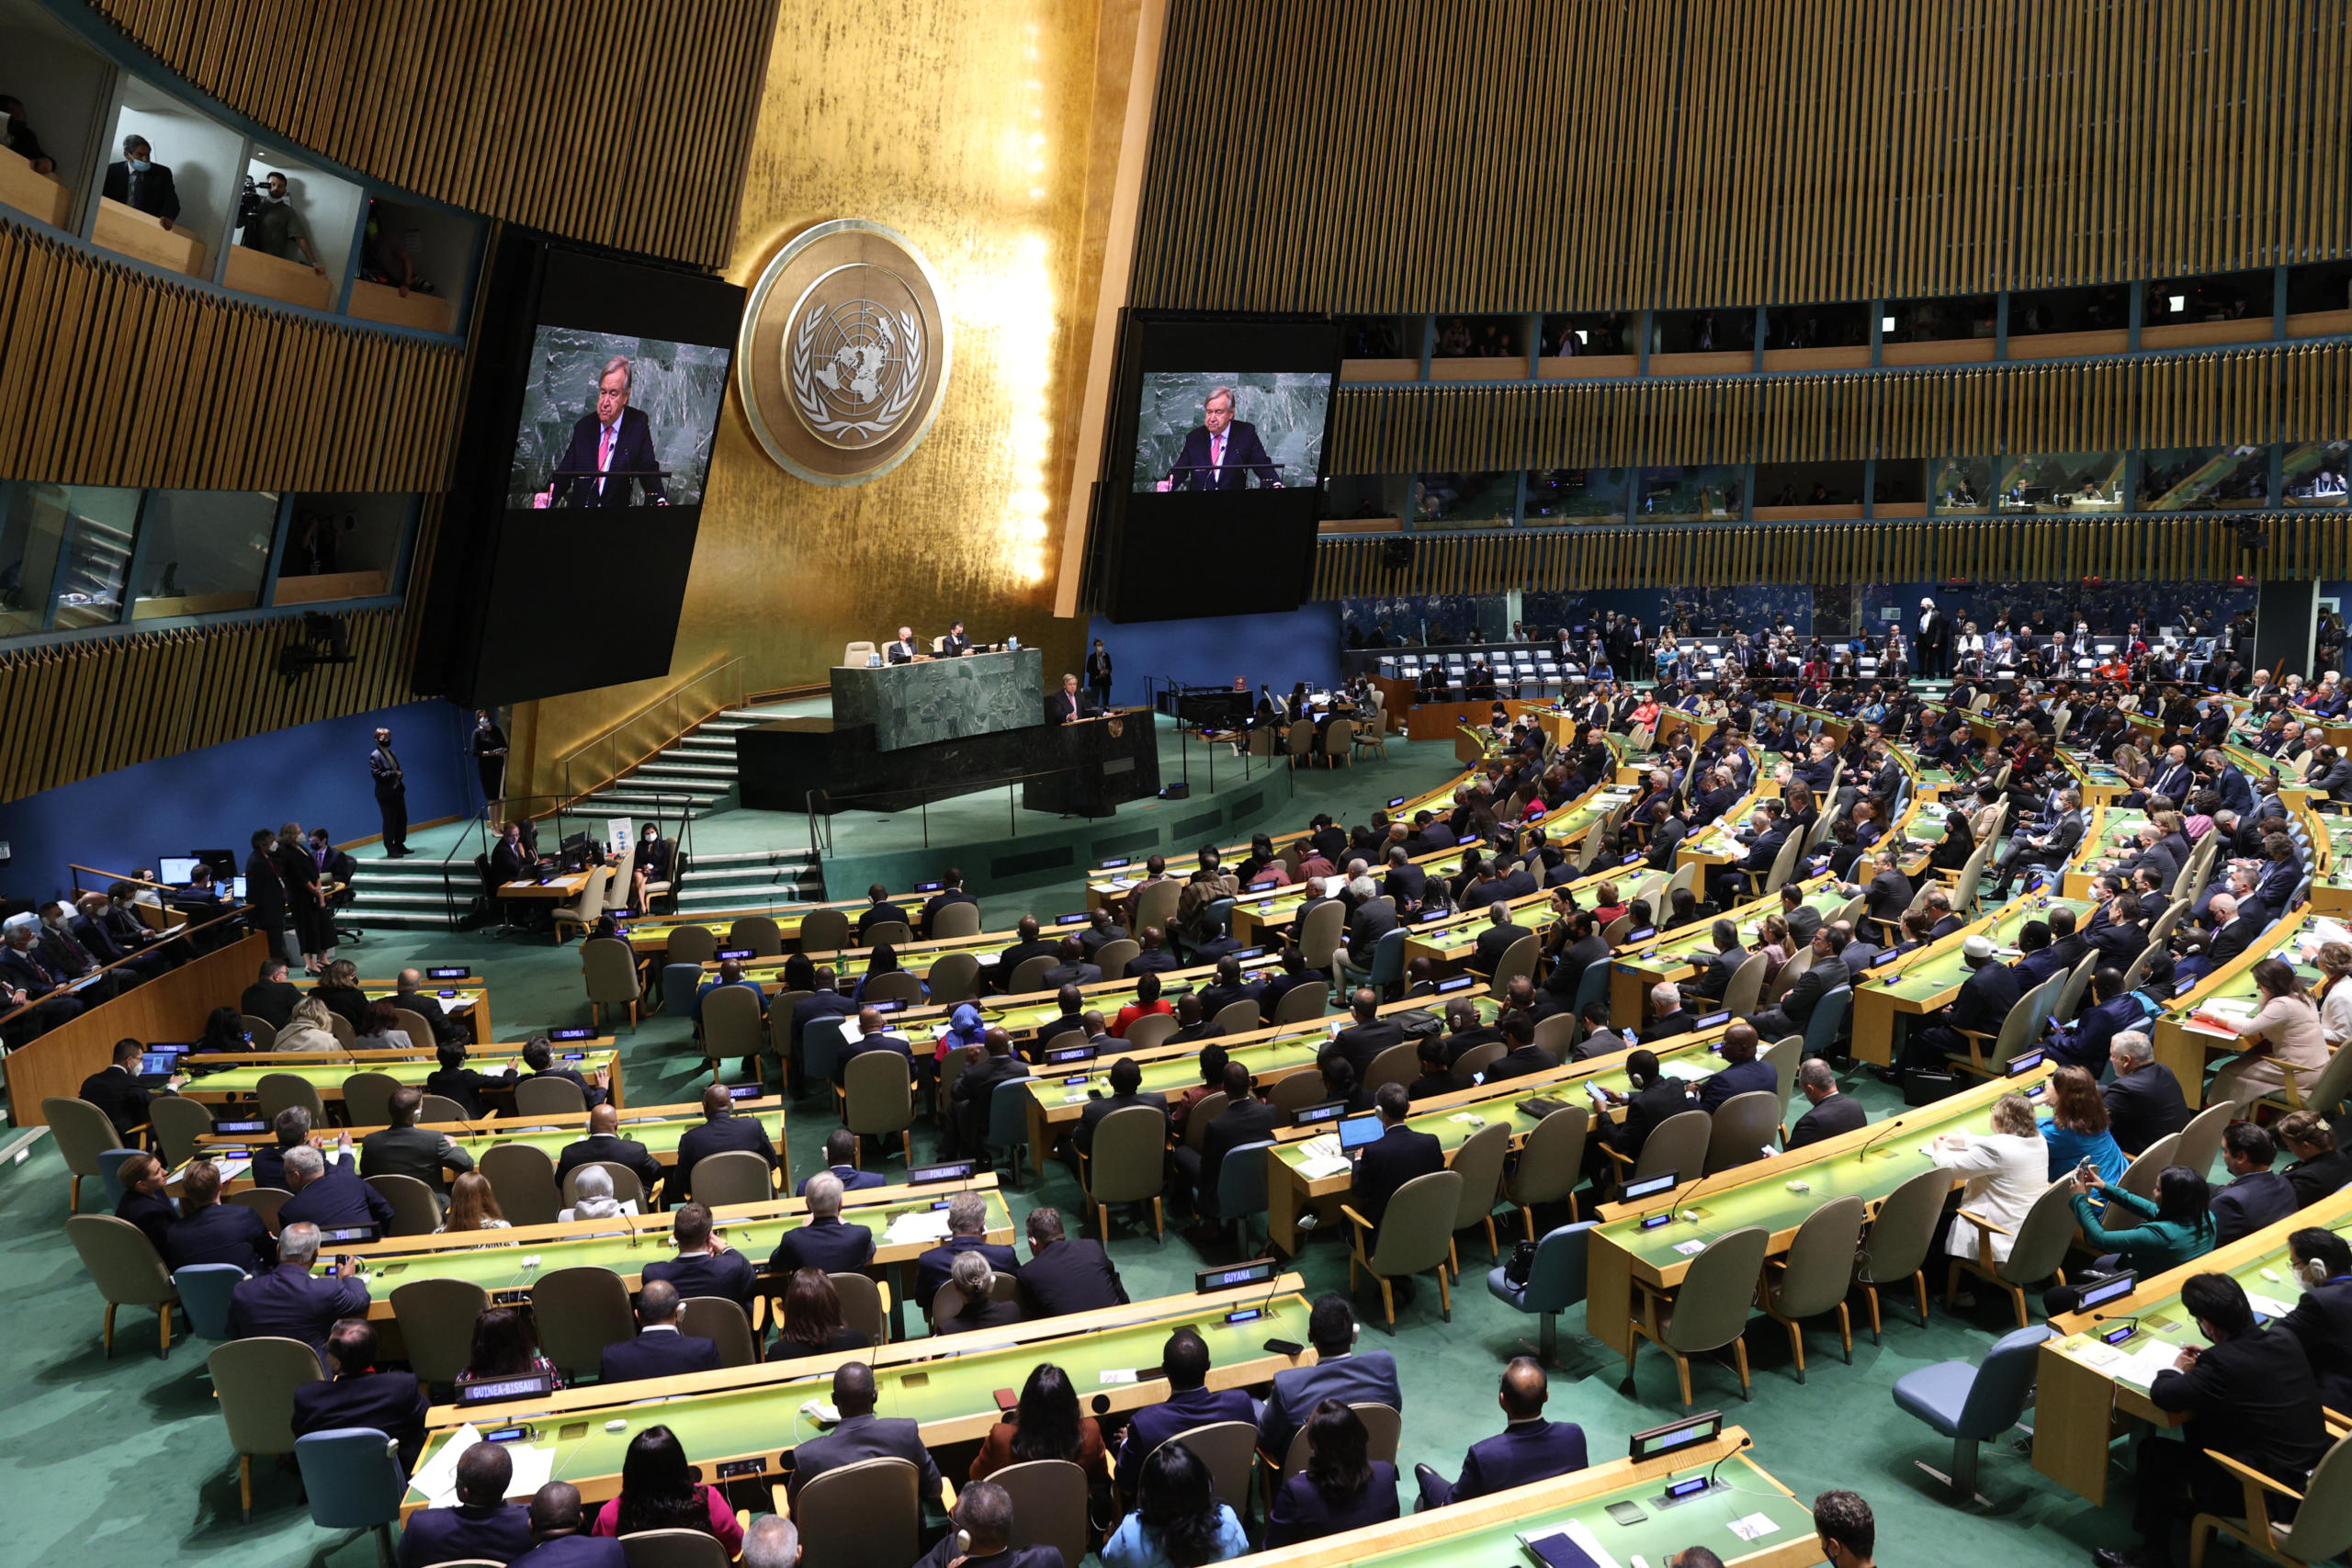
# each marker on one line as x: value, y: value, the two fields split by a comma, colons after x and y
x: 125, y: 1460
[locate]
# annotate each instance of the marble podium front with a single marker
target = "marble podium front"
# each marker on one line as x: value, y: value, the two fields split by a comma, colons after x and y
x: 942, y: 699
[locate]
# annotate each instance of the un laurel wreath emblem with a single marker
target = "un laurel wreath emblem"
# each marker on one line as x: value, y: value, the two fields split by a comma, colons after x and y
x: 844, y: 352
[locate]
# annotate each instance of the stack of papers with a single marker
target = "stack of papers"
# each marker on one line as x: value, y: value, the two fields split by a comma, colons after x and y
x: 1320, y: 1157
x: 1689, y: 1072
x: 534, y: 1468
x: 917, y: 1225
x: 2141, y: 1363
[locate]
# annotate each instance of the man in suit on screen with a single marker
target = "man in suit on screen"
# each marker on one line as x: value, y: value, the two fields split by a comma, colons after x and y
x: 611, y: 451
x: 1222, y: 452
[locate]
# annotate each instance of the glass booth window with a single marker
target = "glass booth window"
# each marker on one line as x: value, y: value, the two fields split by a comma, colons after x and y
x: 1467, y: 501
x: 1845, y: 325
x: 1961, y: 487
x: 1589, y: 332
x: 1939, y: 319
x: 101, y: 527
x: 2315, y: 473
x: 1689, y: 494
x: 341, y: 547
x: 1480, y: 337
x: 2064, y: 482
x: 1579, y: 495
x: 32, y: 534
x: 206, y: 552
x: 2204, y: 478
x: 2213, y: 296
x: 1380, y: 337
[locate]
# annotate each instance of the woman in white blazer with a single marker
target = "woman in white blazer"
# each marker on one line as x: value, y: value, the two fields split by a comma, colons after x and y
x: 2007, y: 1170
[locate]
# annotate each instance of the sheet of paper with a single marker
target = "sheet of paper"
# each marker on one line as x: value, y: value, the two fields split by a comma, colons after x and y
x: 438, y: 1478
x: 917, y: 1225
x: 534, y: 1468
x: 1315, y: 1167
x: 1753, y: 1526
x: 1689, y: 1072
x: 2142, y: 1362
x: 2268, y: 1306
x: 1589, y: 1544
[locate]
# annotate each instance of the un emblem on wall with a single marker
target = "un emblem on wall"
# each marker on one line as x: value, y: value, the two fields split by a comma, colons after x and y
x: 844, y: 354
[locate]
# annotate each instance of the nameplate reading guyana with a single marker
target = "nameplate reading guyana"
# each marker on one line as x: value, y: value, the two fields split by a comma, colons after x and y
x: 842, y: 360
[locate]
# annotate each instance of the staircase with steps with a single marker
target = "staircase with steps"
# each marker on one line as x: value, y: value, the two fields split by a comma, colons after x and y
x: 417, y: 894
x: 699, y: 765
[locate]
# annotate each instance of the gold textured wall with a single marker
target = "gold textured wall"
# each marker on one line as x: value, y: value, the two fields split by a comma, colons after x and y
x: 979, y: 133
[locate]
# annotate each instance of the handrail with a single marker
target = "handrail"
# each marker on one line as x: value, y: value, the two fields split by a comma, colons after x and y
x: 678, y: 728
x: 176, y: 933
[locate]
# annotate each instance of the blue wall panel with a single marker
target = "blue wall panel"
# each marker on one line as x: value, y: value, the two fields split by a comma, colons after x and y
x: 314, y: 773
x: 1276, y: 650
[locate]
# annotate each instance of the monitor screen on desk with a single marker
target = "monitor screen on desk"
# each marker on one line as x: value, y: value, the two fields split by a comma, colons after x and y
x: 176, y: 870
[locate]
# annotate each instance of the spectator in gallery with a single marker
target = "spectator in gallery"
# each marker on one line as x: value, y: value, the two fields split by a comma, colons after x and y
x: 20, y: 137
x: 273, y: 225
x: 141, y: 183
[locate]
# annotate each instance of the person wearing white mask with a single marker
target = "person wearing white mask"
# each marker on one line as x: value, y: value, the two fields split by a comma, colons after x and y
x: 142, y: 185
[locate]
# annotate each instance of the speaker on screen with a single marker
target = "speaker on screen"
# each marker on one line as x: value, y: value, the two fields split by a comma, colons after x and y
x: 594, y: 403
x: 1213, y: 468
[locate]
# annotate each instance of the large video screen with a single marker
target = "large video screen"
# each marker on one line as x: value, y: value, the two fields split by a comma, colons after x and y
x: 1214, y: 461
x: 1204, y: 431
x: 614, y: 420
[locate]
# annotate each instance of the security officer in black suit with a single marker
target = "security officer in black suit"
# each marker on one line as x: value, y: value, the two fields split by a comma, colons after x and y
x: 721, y: 1130
x: 825, y: 1242
x: 358, y: 1395
x: 391, y: 795
x: 659, y: 1350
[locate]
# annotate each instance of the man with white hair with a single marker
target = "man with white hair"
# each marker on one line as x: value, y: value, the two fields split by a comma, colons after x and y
x: 611, y: 456
x: 1222, y: 452
x: 291, y: 1303
x: 1374, y: 918
x: 824, y: 1244
x: 1667, y: 1018
x: 771, y: 1540
x: 2143, y: 1100
x: 331, y: 1196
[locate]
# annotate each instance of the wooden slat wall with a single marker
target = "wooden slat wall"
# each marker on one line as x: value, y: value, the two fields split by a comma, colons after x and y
x: 1518, y: 155
x: 113, y: 376
x: 2300, y: 546
x: 2247, y: 396
x: 627, y: 125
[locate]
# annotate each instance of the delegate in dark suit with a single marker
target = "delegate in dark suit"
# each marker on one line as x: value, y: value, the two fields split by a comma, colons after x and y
x: 1206, y: 464
x: 2251, y: 1397
x: 2144, y: 1105
x: 1493, y: 942
x: 574, y: 1551
x: 290, y: 1302
x: 1301, y: 1512
x: 719, y: 1133
x: 861, y: 1438
x: 1250, y: 1121
x: 1521, y: 1452
x: 223, y: 1232
x: 120, y: 1095
x: 1069, y: 1276
x: 632, y: 467
x: 1389, y: 1161
x: 499, y: 1532
x: 658, y: 1352
x: 391, y: 1403
x: 826, y: 1244
x: 932, y: 1268
x: 1838, y: 1114
x: 599, y: 1148
x: 1182, y: 1411
x: 1362, y: 1044
x: 338, y: 1199
x: 1096, y: 1109
x: 1797, y: 1003
x: 270, y: 999
x: 2323, y: 1321
x: 1363, y: 1377
x: 1740, y: 1078
x: 728, y: 1274
x: 150, y: 191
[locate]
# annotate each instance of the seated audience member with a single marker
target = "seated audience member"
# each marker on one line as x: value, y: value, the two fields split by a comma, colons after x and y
x: 290, y: 1302
x: 309, y: 1027
x: 560, y: 1536
x: 840, y: 1149
x: 333, y: 1198
x: 1064, y: 1276
x: 506, y: 1345
x: 26, y: 977
x: 338, y: 987
x: 1342, y: 1488
x: 355, y: 1394
x: 1744, y: 1071
x: 968, y: 1225
x: 1848, y: 1533
x: 809, y: 1321
x: 2321, y: 1169
x: 2154, y: 1235
x: 722, y: 1132
x: 594, y: 1199
x: 1394, y: 1158
x: 1191, y: 1402
x: 453, y: 1080
x: 116, y: 1089
x: 701, y: 1264
x: 730, y: 973
x: 539, y: 1057
x: 2074, y: 1126
x: 1524, y: 1058
x: 2143, y: 1100
x: 271, y: 997
x: 2248, y: 1395
x: 1529, y: 1448
x: 144, y: 1202
x: 823, y: 1243
x: 209, y: 1231
x: 661, y: 1349
x: 224, y: 1034
x: 483, y: 1527
x: 403, y: 1148
x: 659, y: 1492
x: 1247, y: 1118
x: 408, y: 992
x: 1126, y: 1089
x: 2323, y: 1318
x: 604, y: 1145
x: 1178, y: 1521
x: 379, y: 1030
x: 2255, y: 1195
x: 1046, y: 1425
x: 1832, y: 1112
x: 975, y: 1283
x: 983, y: 1535
x: 1340, y: 1372
x: 861, y: 1435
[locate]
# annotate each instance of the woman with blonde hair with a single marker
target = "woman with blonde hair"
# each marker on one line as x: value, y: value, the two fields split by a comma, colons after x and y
x: 309, y: 1027
x: 2008, y: 1168
x: 2284, y: 1033
x: 473, y: 1206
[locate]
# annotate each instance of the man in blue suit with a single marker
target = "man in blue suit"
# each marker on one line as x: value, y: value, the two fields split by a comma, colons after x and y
x: 483, y: 1525
x: 331, y: 1197
x: 1221, y: 452
x: 660, y: 1350
x: 967, y: 1226
x: 1192, y: 1404
x: 1340, y: 1372
x: 825, y: 1242
x: 721, y: 1131
x: 209, y: 1231
x: 1743, y: 1070
x: 560, y: 1537
x: 702, y: 1267
x: 1529, y: 1449
x: 358, y: 1395
x: 289, y: 1301
x: 840, y: 1147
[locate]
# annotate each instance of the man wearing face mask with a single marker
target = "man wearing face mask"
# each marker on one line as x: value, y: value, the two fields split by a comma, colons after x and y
x: 391, y: 795
x: 20, y: 138
x: 269, y: 910
x: 66, y: 955
x: 2323, y: 1318
x: 275, y: 227
x: 141, y: 183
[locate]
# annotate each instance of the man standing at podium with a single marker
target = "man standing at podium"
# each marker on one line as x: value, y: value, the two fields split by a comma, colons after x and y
x: 1069, y: 704
x: 611, y: 450
x: 1222, y: 452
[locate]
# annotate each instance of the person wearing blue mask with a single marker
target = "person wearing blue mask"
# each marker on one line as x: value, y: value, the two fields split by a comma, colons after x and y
x: 141, y: 183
